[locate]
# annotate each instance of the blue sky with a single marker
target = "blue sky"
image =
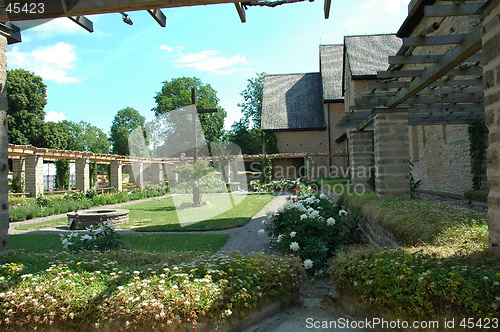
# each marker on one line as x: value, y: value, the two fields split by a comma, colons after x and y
x: 91, y: 76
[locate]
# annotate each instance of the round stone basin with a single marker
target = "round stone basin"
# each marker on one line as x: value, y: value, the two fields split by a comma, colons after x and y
x: 84, y: 219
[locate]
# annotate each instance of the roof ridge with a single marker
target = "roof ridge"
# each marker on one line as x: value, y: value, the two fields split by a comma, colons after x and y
x: 375, y: 35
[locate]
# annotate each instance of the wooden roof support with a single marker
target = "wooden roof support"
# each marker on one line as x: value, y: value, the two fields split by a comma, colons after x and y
x: 326, y: 8
x: 83, y: 22
x: 458, y: 54
x: 415, y: 59
x: 474, y: 70
x: 241, y: 11
x: 463, y: 9
x: 159, y: 17
x: 53, y: 9
x: 432, y: 40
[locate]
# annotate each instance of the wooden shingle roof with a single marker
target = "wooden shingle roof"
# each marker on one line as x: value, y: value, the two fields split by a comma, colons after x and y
x: 293, y: 102
x: 368, y: 54
x: 330, y: 64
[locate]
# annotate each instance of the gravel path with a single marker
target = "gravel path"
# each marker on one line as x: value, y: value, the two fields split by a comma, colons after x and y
x: 244, y: 239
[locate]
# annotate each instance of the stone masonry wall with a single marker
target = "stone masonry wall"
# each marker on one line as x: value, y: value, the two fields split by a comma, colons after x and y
x: 440, y: 153
x: 442, y: 161
x: 491, y: 82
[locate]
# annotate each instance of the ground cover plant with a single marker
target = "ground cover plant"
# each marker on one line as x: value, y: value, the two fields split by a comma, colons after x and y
x: 23, y: 208
x: 311, y: 227
x: 137, y: 290
x: 443, y: 268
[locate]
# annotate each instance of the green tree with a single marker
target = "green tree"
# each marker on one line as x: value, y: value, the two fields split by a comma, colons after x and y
x: 27, y: 97
x: 251, y: 107
x: 125, y: 121
x: 247, y: 132
x: 176, y: 94
x: 86, y: 137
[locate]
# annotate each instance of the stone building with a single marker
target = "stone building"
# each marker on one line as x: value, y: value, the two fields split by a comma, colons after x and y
x: 302, y: 111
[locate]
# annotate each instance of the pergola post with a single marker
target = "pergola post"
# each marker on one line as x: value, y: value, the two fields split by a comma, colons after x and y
x: 156, y: 173
x: 138, y: 174
x: 82, y: 169
x: 18, y: 174
x: 392, y: 154
x: 361, y: 156
x: 491, y: 83
x: 115, y: 174
x: 34, y: 174
x: 4, y: 156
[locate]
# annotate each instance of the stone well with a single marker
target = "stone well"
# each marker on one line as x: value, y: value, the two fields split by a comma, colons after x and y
x: 84, y: 219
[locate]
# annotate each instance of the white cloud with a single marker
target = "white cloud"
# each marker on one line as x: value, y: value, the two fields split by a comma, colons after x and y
x: 51, y: 62
x: 211, y: 62
x: 54, y: 116
x: 166, y: 48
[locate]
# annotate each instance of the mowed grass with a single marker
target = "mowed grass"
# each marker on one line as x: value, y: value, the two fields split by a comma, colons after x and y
x: 146, y: 242
x: 160, y: 215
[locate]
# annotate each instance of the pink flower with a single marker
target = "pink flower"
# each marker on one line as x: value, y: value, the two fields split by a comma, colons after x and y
x: 294, y: 189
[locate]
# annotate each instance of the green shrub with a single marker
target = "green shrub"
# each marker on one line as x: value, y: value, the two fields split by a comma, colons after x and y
x: 311, y: 227
x: 101, y: 238
x: 419, y: 285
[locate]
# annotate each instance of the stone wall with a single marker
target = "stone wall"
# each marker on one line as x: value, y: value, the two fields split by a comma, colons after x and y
x: 442, y: 159
x: 491, y: 82
x: 440, y: 153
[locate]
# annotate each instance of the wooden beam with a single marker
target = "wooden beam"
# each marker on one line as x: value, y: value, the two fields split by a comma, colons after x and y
x: 83, y: 22
x: 432, y: 40
x: 326, y: 8
x: 159, y: 17
x: 424, y: 99
x: 464, y: 9
x: 53, y: 8
x: 458, y: 54
x: 474, y: 70
x: 11, y: 32
x: 428, y: 91
x: 241, y: 11
x: 415, y: 59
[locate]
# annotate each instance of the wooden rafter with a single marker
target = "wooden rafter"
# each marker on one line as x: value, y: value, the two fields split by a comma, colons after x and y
x: 461, y: 9
x: 458, y: 54
x: 416, y: 59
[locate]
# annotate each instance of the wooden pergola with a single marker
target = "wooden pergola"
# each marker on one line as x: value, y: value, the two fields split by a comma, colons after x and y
x: 21, y: 151
x: 447, y: 87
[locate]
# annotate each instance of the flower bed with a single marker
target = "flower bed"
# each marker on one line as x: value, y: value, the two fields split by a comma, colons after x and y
x: 137, y: 290
x: 310, y: 226
x: 419, y: 285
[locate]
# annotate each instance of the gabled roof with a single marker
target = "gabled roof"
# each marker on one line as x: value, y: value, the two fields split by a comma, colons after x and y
x: 330, y: 66
x: 368, y: 54
x: 293, y: 102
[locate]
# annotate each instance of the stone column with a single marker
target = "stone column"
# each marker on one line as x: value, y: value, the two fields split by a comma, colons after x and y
x: 18, y: 172
x: 4, y: 169
x: 308, y: 165
x: 491, y: 82
x: 156, y: 173
x: 82, y: 169
x: 34, y: 174
x: 115, y: 174
x: 392, y: 154
x: 138, y: 174
x: 360, y: 156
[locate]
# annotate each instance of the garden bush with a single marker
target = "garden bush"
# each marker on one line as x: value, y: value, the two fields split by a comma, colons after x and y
x: 138, y: 290
x: 311, y: 227
x: 418, y: 284
x: 101, y: 238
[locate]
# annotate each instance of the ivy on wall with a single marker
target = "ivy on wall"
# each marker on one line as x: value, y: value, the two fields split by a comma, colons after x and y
x: 478, y: 137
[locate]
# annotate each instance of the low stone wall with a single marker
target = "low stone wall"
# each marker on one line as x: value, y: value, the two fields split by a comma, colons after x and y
x: 374, y: 235
x: 84, y: 219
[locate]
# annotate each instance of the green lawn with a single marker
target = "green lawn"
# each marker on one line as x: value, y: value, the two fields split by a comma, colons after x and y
x: 146, y: 242
x: 221, y: 211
